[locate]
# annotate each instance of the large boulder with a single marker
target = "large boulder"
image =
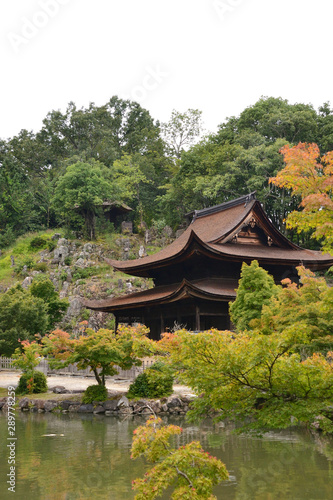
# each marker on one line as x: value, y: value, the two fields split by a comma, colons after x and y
x: 88, y: 408
x: 60, y: 253
x: 99, y: 409
x: 59, y: 389
x: 50, y: 405
x: 74, y: 308
x: 173, y: 402
x: 24, y: 403
x: 111, y: 405
x: 88, y: 248
x: 123, y: 402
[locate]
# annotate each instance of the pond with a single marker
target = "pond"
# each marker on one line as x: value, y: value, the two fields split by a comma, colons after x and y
x: 72, y: 457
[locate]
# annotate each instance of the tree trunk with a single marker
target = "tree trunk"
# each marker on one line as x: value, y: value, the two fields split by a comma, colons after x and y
x: 98, y: 378
x: 89, y: 218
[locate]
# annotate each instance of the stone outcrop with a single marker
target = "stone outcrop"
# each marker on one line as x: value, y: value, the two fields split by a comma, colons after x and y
x: 173, y: 405
x: 77, y: 271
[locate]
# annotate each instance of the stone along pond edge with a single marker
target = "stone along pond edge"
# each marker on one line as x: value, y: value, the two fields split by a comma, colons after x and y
x: 173, y: 405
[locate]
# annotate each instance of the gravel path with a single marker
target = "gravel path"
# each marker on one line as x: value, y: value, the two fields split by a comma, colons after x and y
x: 8, y: 377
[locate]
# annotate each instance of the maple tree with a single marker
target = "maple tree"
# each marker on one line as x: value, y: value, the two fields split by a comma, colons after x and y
x: 278, y: 372
x: 27, y: 357
x: 103, y: 351
x: 307, y: 307
x: 255, y: 378
x: 189, y: 469
x: 305, y: 176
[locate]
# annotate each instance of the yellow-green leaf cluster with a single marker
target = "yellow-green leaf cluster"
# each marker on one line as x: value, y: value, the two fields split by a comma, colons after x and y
x: 191, y: 471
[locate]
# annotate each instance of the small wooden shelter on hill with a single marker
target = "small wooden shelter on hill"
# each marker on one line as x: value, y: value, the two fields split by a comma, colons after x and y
x: 196, y: 276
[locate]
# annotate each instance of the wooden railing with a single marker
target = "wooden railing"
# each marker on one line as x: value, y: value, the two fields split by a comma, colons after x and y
x: 7, y: 364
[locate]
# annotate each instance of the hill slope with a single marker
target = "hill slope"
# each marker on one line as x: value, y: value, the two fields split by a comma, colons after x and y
x: 78, y: 269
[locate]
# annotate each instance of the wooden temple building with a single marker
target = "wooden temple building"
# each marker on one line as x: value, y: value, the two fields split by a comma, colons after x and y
x: 196, y: 276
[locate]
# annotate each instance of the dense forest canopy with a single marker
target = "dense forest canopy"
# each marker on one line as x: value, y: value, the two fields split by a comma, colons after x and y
x: 162, y: 170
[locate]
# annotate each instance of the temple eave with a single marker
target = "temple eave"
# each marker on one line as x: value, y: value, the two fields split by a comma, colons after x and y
x: 209, y: 290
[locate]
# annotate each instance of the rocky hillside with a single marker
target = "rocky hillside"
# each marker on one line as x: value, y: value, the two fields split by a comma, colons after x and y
x: 78, y: 269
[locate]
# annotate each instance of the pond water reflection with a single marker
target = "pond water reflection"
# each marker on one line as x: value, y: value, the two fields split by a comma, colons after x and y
x: 72, y: 457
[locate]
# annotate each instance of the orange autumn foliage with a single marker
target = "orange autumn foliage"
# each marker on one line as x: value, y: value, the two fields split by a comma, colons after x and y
x: 310, y: 177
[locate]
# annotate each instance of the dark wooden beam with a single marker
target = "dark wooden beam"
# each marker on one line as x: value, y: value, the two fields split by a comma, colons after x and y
x: 197, y: 318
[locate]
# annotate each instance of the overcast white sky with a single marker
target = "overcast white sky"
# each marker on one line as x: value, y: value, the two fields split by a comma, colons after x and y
x: 218, y: 56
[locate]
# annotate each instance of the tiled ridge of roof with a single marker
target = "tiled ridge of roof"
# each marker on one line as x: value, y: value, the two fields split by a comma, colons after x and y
x: 205, y: 230
x: 207, y: 233
x: 224, y: 206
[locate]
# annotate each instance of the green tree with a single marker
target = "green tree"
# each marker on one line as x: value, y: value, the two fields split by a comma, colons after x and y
x: 189, y: 469
x: 34, y: 158
x: 325, y: 128
x: 128, y: 179
x: 308, y: 306
x: 215, y: 171
x: 256, y: 288
x: 275, y: 118
x: 43, y: 288
x: 16, y: 195
x: 256, y: 379
x: 22, y: 316
x: 240, y: 158
x: 182, y: 130
x: 103, y: 133
x: 82, y: 189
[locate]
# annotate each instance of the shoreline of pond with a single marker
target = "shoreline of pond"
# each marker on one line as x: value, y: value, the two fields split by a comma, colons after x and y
x: 118, y: 406
x: 172, y: 405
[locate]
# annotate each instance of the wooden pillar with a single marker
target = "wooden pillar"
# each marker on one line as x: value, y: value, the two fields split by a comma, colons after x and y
x: 197, y: 318
x: 162, y: 323
x: 116, y: 324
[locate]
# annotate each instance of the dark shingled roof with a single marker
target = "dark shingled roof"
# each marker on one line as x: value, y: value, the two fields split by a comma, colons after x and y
x: 212, y: 229
x: 208, y: 288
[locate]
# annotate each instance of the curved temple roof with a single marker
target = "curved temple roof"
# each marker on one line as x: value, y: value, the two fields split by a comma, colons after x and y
x: 214, y: 230
x: 208, y: 289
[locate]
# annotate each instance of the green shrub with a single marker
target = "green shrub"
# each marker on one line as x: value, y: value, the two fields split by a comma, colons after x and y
x: 38, y: 242
x: 329, y: 272
x: 41, y: 266
x: 27, y: 261
x: 51, y: 244
x: 32, y: 383
x: 83, y: 273
x: 95, y: 393
x: 63, y: 275
x: 80, y: 274
x: 159, y: 225
x: 67, y: 260
x: 155, y: 382
x: 85, y: 315
x: 7, y: 237
x: 139, y: 388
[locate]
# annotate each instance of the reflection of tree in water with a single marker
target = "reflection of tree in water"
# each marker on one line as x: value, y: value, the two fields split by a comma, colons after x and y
x: 269, y: 468
x: 92, y: 459
x: 272, y: 469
